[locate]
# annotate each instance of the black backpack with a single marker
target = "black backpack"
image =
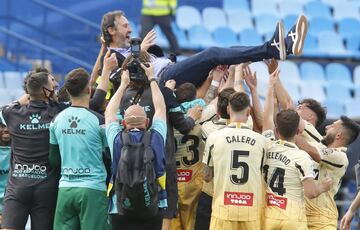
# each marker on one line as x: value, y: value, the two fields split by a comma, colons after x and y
x: 136, y: 187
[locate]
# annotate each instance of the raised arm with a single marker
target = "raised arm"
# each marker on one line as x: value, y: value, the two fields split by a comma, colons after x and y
x: 304, y: 145
x: 269, y: 102
x: 114, y: 104
x: 251, y: 82
x: 283, y: 97
x: 158, y: 98
x: 212, y: 91
x: 95, y: 70
x: 313, y: 190
x: 347, y: 218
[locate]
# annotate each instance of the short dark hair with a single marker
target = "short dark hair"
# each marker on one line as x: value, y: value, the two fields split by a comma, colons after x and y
x: 239, y: 101
x: 185, y: 92
x: 223, y: 102
x: 352, y: 129
x: 108, y: 20
x: 316, y: 107
x: 63, y: 95
x: 76, y: 81
x: 287, y: 123
x: 37, y: 70
x: 36, y: 82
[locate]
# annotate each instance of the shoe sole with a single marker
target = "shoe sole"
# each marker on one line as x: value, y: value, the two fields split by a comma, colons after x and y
x: 301, y: 31
x: 282, y: 48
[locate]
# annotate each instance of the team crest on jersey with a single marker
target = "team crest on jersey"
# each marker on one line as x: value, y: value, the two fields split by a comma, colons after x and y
x: 238, y: 198
x: 327, y: 151
x: 184, y: 175
x: 277, y: 201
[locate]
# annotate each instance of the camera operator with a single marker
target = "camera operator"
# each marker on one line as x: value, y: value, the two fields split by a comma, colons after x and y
x: 139, y: 93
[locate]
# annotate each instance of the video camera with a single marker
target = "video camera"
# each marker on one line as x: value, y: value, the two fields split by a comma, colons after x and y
x: 136, y: 73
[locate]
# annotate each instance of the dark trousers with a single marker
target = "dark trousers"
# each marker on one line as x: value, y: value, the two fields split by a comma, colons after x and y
x: 203, y: 212
x: 196, y: 68
x: 148, y: 22
x: 121, y: 223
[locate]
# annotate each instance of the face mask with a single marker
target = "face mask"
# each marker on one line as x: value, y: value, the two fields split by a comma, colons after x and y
x: 51, y: 93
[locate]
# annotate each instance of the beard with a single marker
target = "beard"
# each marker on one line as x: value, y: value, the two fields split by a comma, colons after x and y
x: 328, y: 139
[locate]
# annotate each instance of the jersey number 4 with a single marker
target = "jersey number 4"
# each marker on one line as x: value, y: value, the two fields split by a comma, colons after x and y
x: 237, y: 164
x: 276, y: 182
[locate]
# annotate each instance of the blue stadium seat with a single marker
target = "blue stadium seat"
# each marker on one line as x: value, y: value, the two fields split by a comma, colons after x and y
x: 289, y: 72
x: 239, y: 20
x: 357, y: 76
x: 264, y: 7
x: 345, y: 10
x: 317, y: 25
x: 13, y: 80
x: 339, y: 74
x: 261, y: 73
x: 225, y: 37
x: 230, y: 5
x: 5, y: 97
x: 200, y: 36
x: 310, y: 90
x: 353, y: 44
x: 289, y: 7
x: 312, y: 72
x: 16, y: 94
x: 213, y: 17
x: 357, y: 93
x: 265, y: 23
x: 331, y: 43
x: 352, y: 110
x: 311, y: 46
x: 187, y: 16
x: 2, y: 82
x: 293, y: 90
x: 289, y: 21
x: 337, y: 92
x: 183, y: 40
x: 250, y: 37
x: 346, y: 27
x: 317, y: 9
x: 334, y: 108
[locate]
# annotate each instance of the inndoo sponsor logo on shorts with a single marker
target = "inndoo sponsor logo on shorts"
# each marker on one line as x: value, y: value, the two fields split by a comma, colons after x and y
x: 184, y: 175
x: 277, y: 201
x: 238, y: 198
x: 31, y: 171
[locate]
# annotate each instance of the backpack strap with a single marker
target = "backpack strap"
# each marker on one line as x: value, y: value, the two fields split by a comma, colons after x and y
x: 146, y: 138
x: 125, y: 138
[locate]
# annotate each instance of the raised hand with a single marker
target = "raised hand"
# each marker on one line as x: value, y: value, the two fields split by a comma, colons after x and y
x: 125, y: 78
x: 149, y: 70
x: 170, y: 84
x: 148, y: 40
x: 272, y: 65
x: 110, y: 61
x: 250, y: 77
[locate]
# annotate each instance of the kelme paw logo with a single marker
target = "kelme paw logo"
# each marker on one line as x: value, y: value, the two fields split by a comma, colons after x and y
x: 74, y: 122
x: 35, y: 118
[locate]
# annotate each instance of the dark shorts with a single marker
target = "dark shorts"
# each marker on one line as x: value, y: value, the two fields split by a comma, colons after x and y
x: 203, y: 212
x: 172, y: 196
x: 37, y: 202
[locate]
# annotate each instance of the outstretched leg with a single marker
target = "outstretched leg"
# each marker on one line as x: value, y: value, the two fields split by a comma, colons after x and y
x: 196, y: 68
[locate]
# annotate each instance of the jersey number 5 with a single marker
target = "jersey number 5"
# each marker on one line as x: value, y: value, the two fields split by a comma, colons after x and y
x: 236, y: 163
x: 276, y: 182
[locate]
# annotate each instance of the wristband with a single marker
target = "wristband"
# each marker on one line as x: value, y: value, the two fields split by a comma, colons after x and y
x: 152, y: 79
x: 215, y: 83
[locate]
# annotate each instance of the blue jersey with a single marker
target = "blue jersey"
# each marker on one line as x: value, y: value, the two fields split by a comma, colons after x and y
x: 81, y: 138
x: 4, y: 171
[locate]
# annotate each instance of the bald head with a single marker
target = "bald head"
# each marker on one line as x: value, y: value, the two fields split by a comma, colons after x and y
x: 135, y: 117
